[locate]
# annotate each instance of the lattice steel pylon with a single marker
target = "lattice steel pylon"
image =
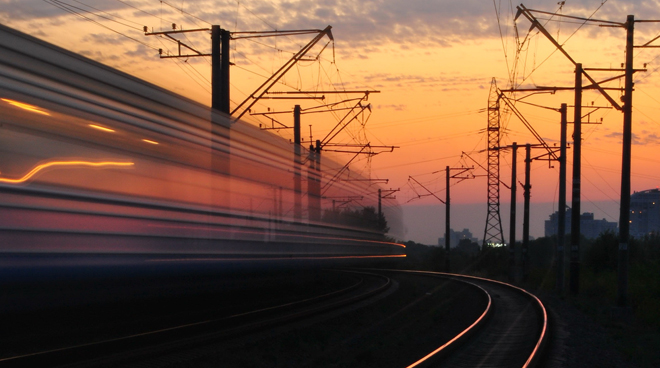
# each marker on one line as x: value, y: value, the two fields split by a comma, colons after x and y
x: 493, y: 231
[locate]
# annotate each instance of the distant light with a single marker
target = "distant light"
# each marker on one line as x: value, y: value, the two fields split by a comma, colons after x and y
x: 40, y: 167
x: 101, y: 128
x: 25, y: 106
x: 150, y: 141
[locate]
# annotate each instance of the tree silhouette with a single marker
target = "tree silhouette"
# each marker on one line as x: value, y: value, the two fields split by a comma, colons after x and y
x: 366, y: 218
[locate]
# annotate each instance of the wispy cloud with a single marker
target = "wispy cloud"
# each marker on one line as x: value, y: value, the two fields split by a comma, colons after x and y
x: 360, y: 27
x: 397, y: 107
x: 650, y: 139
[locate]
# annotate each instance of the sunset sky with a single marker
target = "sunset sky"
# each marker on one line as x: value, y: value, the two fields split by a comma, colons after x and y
x: 432, y: 62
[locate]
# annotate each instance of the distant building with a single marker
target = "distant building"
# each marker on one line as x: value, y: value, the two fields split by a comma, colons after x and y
x: 645, y: 212
x: 589, y: 227
x: 456, y: 236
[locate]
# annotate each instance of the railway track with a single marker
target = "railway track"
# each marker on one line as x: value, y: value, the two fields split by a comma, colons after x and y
x: 144, y: 345
x: 386, y: 318
x: 511, y: 332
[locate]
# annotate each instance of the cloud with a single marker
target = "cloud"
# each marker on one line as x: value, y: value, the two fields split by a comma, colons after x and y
x: 105, y: 39
x: 397, y: 107
x: 417, y: 22
x: 644, y: 140
x: 364, y: 24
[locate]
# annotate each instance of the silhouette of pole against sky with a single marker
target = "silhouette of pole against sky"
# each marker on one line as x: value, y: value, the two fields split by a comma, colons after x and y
x: 297, y: 151
x: 629, y: 70
x: 560, y: 252
x: 512, y: 214
x: 574, y: 272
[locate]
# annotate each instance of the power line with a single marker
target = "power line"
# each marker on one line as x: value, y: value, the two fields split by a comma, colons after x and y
x: 184, y: 12
x: 138, y: 9
x: 565, y: 41
x: 70, y: 8
x: 104, y: 12
x: 64, y: 7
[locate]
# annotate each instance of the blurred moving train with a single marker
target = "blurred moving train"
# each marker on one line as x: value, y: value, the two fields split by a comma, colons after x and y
x: 96, y: 162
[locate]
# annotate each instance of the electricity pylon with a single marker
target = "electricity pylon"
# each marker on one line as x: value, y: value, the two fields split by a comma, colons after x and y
x: 493, y: 231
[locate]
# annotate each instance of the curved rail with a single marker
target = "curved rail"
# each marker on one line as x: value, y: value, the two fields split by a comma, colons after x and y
x: 462, y: 335
x: 196, y: 332
x: 533, y: 357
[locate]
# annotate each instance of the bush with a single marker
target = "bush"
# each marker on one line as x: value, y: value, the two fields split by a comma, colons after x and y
x: 601, y: 254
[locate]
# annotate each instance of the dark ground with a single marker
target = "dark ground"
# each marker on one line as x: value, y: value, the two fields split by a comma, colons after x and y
x: 578, y: 340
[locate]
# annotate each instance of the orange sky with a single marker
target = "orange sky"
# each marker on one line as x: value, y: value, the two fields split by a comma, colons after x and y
x: 433, y: 64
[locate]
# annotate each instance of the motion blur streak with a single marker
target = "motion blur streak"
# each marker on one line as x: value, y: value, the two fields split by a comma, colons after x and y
x: 205, y: 185
x: 270, y: 259
x: 101, y: 128
x: 25, y: 106
x: 62, y: 163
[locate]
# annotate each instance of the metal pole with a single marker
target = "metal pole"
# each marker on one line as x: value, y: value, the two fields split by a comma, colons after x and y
x: 224, y: 72
x: 317, y: 182
x: 512, y: 220
x: 575, y: 211
x: 447, y: 224
x: 311, y: 183
x: 561, y: 214
x: 297, y: 180
x: 220, y: 69
x: 380, y: 205
x: 624, y: 215
x: 216, y: 79
x: 220, y: 156
x: 528, y: 187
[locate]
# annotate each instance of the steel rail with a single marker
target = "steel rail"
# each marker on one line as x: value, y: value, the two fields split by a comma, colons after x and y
x: 274, y: 315
x: 533, y: 358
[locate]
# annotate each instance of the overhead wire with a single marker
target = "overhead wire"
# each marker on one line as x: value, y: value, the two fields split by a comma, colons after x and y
x: 258, y: 17
x: 110, y: 15
x: 189, y: 69
x: 64, y: 6
x: 138, y: 9
x: 565, y: 41
x: 184, y: 12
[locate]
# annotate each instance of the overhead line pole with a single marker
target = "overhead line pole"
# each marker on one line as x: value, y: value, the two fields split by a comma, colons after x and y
x: 522, y: 10
x: 527, y: 195
x: 220, y: 69
x: 574, y: 272
x: 447, y: 222
x: 622, y: 274
x: 512, y: 214
x: 297, y: 179
x: 624, y: 214
x: 448, y: 207
x: 447, y: 203
x: 561, y: 215
x: 270, y: 82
